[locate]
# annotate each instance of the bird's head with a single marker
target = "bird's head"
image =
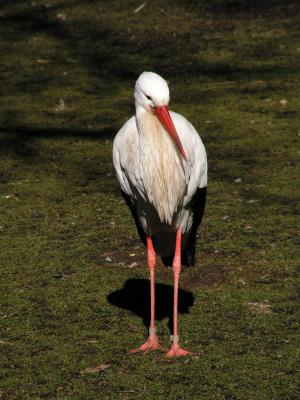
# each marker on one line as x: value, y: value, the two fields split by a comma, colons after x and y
x: 151, y: 91
x: 152, y: 95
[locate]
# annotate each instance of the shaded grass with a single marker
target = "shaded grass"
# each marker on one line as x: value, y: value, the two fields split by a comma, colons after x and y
x: 64, y: 305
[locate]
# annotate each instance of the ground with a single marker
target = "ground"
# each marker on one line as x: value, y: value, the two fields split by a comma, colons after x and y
x: 73, y: 272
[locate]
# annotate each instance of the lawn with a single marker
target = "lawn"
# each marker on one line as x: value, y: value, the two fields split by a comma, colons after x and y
x: 74, y: 296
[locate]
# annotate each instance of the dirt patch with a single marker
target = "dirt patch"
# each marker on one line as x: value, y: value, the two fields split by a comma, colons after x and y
x: 131, y: 254
x: 134, y: 255
x: 204, y: 276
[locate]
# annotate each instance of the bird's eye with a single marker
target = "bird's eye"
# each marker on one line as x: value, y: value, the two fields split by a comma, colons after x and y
x: 149, y: 98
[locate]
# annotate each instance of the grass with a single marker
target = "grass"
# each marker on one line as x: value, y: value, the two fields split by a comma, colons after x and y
x: 69, y: 300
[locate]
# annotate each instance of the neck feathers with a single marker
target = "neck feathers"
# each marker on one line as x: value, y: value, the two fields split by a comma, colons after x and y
x: 161, y: 167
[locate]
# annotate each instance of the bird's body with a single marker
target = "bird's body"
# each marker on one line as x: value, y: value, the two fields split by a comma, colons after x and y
x: 161, y: 165
x: 159, y: 183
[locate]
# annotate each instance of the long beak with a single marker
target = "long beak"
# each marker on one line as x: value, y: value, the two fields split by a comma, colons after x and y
x: 163, y: 115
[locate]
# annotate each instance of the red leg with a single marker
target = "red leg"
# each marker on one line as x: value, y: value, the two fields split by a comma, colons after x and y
x: 152, y: 343
x: 175, y: 349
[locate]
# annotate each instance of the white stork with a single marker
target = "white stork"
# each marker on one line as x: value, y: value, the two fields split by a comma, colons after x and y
x: 161, y: 165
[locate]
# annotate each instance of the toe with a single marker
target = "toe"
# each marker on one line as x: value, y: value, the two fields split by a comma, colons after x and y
x: 148, y: 346
x: 176, y: 351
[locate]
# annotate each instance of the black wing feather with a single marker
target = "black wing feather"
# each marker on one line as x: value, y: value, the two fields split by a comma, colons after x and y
x: 131, y: 205
x: 198, y: 206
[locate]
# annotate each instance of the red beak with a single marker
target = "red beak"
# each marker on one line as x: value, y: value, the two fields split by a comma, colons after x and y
x: 163, y: 115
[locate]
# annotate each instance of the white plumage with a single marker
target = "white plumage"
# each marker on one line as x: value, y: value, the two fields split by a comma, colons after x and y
x: 151, y: 170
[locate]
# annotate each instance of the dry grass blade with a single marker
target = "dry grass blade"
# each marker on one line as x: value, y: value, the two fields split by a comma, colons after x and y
x: 96, y: 369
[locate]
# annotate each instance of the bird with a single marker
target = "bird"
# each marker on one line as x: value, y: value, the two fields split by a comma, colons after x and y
x: 161, y: 165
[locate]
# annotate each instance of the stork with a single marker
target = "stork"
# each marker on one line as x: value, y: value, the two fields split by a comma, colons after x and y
x: 161, y: 165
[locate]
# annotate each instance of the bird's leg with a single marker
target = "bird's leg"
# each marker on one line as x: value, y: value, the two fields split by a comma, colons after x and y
x: 175, y: 349
x: 152, y: 343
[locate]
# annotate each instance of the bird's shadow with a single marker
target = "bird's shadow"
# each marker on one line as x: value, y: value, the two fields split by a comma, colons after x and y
x: 135, y: 297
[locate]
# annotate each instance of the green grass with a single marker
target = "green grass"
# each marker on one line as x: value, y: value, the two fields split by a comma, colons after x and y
x: 65, y: 308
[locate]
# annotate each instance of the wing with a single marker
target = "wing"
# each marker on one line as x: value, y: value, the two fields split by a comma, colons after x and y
x: 197, y: 206
x: 196, y: 173
x: 125, y: 150
x: 196, y: 167
x: 131, y: 204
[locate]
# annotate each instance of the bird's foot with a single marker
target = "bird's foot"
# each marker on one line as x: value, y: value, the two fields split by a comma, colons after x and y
x: 176, y: 350
x: 151, y: 344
